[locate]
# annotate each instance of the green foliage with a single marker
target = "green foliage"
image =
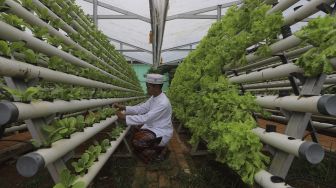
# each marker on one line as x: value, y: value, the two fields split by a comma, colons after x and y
x: 13, y: 20
x: 115, y: 133
x: 43, y: 13
x: 107, y: 112
x: 87, y: 159
x: 56, y: 23
x: 104, y: 145
x: 54, y: 40
x: 23, y: 96
x: 68, y: 180
x: 17, y: 46
x: 210, y: 106
x: 320, y: 32
x: 5, y: 49
x: 40, y: 32
x: 3, y: 7
x: 28, y: 4
x: 31, y: 57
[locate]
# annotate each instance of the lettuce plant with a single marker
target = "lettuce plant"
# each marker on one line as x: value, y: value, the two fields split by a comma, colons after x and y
x: 23, y: 96
x: 68, y: 180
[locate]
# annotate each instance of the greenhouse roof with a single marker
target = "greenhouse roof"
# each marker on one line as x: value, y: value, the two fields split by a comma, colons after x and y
x: 128, y: 24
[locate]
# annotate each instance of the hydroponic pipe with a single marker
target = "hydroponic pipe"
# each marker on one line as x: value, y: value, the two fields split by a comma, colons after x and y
x: 282, y: 5
x: 10, y: 33
x: 96, y: 167
x: 289, y: 55
x: 282, y: 45
x: 325, y: 104
x: 267, y: 180
x: 30, y: 18
x: 65, y: 26
x: 310, y: 8
x: 314, y: 116
x: 13, y: 68
x: 15, y: 111
x: 310, y: 151
x: 331, y: 79
x: 29, y: 164
x: 15, y: 128
x: 317, y: 125
x: 268, y: 74
x: 79, y: 26
x: 292, y: 41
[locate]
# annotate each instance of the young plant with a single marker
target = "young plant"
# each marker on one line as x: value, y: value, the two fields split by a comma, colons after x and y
x: 80, y: 123
x: 56, y: 23
x: 68, y: 125
x: 90, y: 119
x: 31, y: 57
x: 68, y: 180
x: 18, y: 46
x: 23, y: 96
x: 28, y: 4
x: 55, y: 41
x: 104, y: 145
x: 13, y: 20
x: 115, y: 133
x: 40, y: 32
x: 94, y: 152
x: 5, y: 49
x: 53, y: 134
x: 43, y: 13
x: 3, y: 6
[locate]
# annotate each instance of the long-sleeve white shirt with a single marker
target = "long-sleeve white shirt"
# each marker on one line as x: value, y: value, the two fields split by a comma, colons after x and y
x: 155, y: 114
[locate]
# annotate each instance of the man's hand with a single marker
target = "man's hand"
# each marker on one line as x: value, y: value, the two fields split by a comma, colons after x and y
x: 121, y: 115
x: 119, y: 106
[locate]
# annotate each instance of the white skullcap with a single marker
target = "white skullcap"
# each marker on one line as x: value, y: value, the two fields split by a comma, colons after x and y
x: 154, y: 78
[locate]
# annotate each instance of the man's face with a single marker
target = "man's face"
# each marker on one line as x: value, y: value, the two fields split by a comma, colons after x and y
x: 150, y: 89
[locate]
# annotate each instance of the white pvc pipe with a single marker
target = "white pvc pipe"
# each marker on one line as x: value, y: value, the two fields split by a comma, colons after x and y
x: 317, y: 125
x: 292, y: 41
x: 10, y: 33
x: 267, y: 180
x: 282, y: 45
x: 313, y: 104
x: 306, y: 10
x: 78, y: 19
x: 268, y: 74
x: 331, y: 79
x: 15, y: 128
x: 94, y: 169
x: 29, y: 164
x: 291, y: 54
x: 44, y: 108
x: 310, y: 151
x: 30, y: 18
x: 65, y: 26
x: 13, y: 68
x: 282, y: 5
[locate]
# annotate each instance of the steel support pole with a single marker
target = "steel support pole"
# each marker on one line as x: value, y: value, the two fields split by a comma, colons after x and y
x: 95, y: 12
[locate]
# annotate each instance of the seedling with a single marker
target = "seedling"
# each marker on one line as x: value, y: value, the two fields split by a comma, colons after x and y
x: 68, y: 180
x: 23, y: 96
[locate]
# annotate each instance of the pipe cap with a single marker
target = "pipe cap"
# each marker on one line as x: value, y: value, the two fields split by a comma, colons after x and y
x: 28, y: 165
x: 312, y: 152
x: 327, y: 105
x: 8, y: 113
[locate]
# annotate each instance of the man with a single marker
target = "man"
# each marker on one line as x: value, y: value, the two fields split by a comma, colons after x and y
x: 155, y: 114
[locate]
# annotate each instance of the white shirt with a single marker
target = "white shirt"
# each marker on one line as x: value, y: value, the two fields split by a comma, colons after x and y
x: 155, y: 114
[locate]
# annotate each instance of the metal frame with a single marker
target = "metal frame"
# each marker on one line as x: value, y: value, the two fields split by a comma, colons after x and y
x: 125, y: 13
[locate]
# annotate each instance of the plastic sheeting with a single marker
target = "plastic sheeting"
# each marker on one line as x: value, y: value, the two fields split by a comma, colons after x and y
x: 178, y: 32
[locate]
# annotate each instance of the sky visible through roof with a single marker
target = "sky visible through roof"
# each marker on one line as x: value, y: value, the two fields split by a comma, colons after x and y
x: 178, y: 32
